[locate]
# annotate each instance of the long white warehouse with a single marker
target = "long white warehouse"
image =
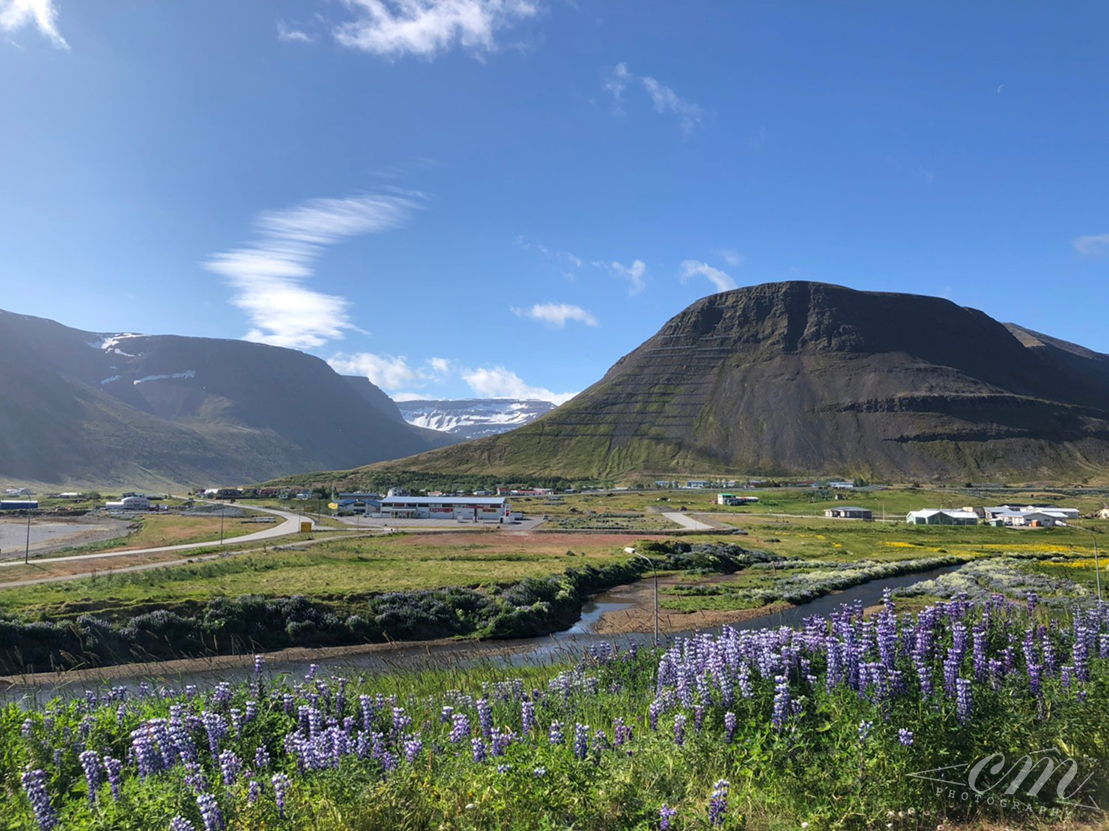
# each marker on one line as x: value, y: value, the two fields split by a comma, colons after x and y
x: 489, y: 509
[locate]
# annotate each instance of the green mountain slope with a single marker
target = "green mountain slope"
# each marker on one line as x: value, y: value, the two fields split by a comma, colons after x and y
x: 809, y: 378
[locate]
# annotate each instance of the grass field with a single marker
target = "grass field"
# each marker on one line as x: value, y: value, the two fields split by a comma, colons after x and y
x: 331, y: 570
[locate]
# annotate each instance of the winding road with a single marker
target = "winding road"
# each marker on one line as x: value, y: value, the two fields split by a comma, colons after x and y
x: 291, y: 525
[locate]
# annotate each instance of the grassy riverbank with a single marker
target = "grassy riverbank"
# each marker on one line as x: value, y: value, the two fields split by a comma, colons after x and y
x: 760, y: 730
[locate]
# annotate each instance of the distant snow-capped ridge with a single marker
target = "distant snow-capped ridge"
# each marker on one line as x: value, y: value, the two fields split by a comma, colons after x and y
x: 473, y: 418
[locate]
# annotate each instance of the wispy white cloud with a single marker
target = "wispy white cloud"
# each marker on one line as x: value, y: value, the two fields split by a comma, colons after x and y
x: 291, y: 34
x: 498, y: 382
x: 633, y: 274
x: 730, y: 256
x: 395, y: 28
x: 267, y: 275
x: 556, y: 315
x: 42, y: 14
x: 391, y: 372
x: 564, y: 257
x: 1093, y: 245
x: 664, y: 98
x: 695, y: 268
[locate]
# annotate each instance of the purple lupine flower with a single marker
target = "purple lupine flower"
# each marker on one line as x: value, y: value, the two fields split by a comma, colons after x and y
x: 652, y: 714
x: 781, y: 701
x: 280, y: 788
x: 237, y: 722
x: 698, y: 717
x: 401, y: 722
x: 312, y: 670
x: 478, y: 750
x: 718, y: 804
x: 665, y: 814
x: 113, y: 769
x: 210, y: 812
x: 864, y: 730
x: 229, y: 766
x: 180, y: 824
x: 729, y: 726
x: 195, y: 778
x: 445, y: 715
x: 679, y: 730
x: 259, y: 664
x: 905, y: 737
x: 34, y: 783
x: 581, y: 740
x: 460, y: 728
x: 485, y: 717
x: 90, y: 763
x: 527, y: 717
x: 261, y: 758
x: 963, y: 702
x: 554, y: 735
x: 504, y: 768
x: 254, y: 790
x: 539, y: 772
x: 501, y: 739
x: 412, y: 748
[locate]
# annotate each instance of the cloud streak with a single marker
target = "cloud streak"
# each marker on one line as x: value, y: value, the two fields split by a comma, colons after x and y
x: 1093, y: 245
x: 428, y: 28
x: 267, y: 276
x: 556, y: 315
x: 42, y: 14
x: 393, y: 372
x: 664, y: 99
x: 498, y: 382
x: 695, y: 268
x: 390, y: 372
x: 633, y: 274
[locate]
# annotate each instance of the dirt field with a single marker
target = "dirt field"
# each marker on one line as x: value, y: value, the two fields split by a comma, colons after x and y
x: 51, y: 534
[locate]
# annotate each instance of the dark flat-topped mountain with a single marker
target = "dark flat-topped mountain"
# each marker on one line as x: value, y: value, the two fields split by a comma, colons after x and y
x: 80, y: 407
x: 809, y: 378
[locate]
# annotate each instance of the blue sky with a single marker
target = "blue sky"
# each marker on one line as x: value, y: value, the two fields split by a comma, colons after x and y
x: 502, y: 197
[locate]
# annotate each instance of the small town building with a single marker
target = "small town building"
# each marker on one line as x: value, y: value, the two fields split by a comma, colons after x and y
x: 19, y: 505
x: 1028, y: 519
x: 473, y: 508
x: 942, y: 516
x: 134, y: 502
x: 850, y: 513
x: 733, y: 500
x: 697, y: 483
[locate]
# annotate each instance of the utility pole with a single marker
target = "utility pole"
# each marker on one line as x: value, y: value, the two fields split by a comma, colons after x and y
x: 27, y: 549
x: 655, y: 567
x: 222, y: 511
x: 1097, y: 564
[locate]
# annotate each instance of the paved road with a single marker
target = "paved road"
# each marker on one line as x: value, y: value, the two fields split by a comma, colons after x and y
x: 63, y: 578
x: 291, y: 525
x: 687, y: 521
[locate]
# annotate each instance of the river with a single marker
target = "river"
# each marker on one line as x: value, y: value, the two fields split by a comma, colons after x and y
x: 562, y: 646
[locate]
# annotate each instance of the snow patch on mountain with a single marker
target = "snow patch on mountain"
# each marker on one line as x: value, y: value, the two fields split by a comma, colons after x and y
x: 188, y: 373
x: 473, y: 418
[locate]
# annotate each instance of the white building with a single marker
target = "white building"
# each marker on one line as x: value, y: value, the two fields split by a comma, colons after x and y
x: 942, y: 516
x: 469, y: 508
x: 129, y: 503
x: 1028, y: 519
x: 733, y: 500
